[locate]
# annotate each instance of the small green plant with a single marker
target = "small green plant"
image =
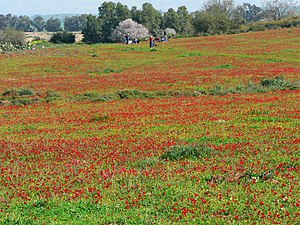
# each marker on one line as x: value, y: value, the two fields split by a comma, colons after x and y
x: 127, y: 94
x: 109, y: 70
x: 187, y: 151
x: 190, y: 54
x: 218, y: 90
x: 23, y: 92
x: 226, y: 66
x: 99, y: 118
x: 52, y: 96
x: 13, y: 93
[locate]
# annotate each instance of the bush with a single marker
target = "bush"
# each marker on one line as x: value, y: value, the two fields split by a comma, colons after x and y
x: 12, y: 36
x: 62, y: 37
x: 129, y: 94
x: 273, y: 25
x: 186, y: 151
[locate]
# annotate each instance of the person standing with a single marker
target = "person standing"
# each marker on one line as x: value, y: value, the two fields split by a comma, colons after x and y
x: 151, y: 40
x: 127, y: 38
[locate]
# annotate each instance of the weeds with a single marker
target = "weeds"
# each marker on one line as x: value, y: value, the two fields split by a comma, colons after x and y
x: 187, y: 151
x: 20, y: 96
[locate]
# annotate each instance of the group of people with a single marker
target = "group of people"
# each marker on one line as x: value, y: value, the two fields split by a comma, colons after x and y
x: 129, y: 41
x: 152, y: 40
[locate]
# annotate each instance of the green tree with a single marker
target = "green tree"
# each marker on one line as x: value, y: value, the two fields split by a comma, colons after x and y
x: 24, y: 24
x: 53, y: 25
x: 11, y: 21
x: 151, y: 18
x: 204, y: 23
x: 217, y: 14
x: 237, y: 18
x: 3, y: 22
x: 109, y: 20
x: 111, y: 15
x: 122, y: 12
x: 72, y: 23
x: 136, y: 14
x: 171, y: 20
x: 39, y: 23
x: 82, y: 21
x: 92, y: 30
x: 185, y: 24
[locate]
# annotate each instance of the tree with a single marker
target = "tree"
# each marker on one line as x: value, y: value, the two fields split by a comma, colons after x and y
x: 75, y: 23
x: 151, y: 18
x: 252, y: 13
x: 171, y: 20
x: 216, y: 7
x: 217, y: 15
x: 136, y: 14
x: 237, y: 18
x: 109, y: 21
x: 92, y: 30
x: 128, y: 26
x: 53, y: 25
x: 11, y: 21
x: 24, y: 24
x: 111, y: 15
x: 39, y: 23
x: 82, y: 21
x: 3, y: 22
x: 279, y: 9
x: 185, y: 25
x: 122, y: 12
x: 204, y: 23
x: 72, y: 23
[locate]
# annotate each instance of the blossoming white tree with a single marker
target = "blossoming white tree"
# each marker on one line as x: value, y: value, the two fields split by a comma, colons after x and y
x: 170, y: 31
x: 128, y: 26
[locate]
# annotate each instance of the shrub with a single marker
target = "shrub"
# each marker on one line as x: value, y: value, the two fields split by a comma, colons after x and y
x: 12, y: 36
x: 63, y: 37
x: 52, y: 96
x: 186, y: 151
x: 129, y: 94
x: 29, y: 92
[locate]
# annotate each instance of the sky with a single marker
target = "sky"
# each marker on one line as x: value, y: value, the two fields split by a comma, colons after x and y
x: 44, y: 7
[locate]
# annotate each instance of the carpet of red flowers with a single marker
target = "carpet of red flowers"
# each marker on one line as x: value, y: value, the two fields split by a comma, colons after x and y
x: 83, y: 162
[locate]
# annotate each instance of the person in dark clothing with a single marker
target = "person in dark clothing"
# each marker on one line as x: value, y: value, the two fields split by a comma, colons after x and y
x: 127, y: 39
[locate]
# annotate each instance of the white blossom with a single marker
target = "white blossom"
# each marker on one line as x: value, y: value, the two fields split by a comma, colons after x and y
x: 130, y: 27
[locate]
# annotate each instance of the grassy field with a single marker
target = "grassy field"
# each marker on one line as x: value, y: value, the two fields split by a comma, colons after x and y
x: 194, y: 131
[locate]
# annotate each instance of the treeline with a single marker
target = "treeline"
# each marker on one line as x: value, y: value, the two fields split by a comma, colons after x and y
x: 215, y: 17
x: 24, y: 23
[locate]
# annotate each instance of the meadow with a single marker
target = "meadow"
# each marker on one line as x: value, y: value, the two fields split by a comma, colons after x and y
x: 194, y: 131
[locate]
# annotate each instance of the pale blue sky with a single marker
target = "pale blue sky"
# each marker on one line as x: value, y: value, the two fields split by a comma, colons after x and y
x: 33, y: 7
